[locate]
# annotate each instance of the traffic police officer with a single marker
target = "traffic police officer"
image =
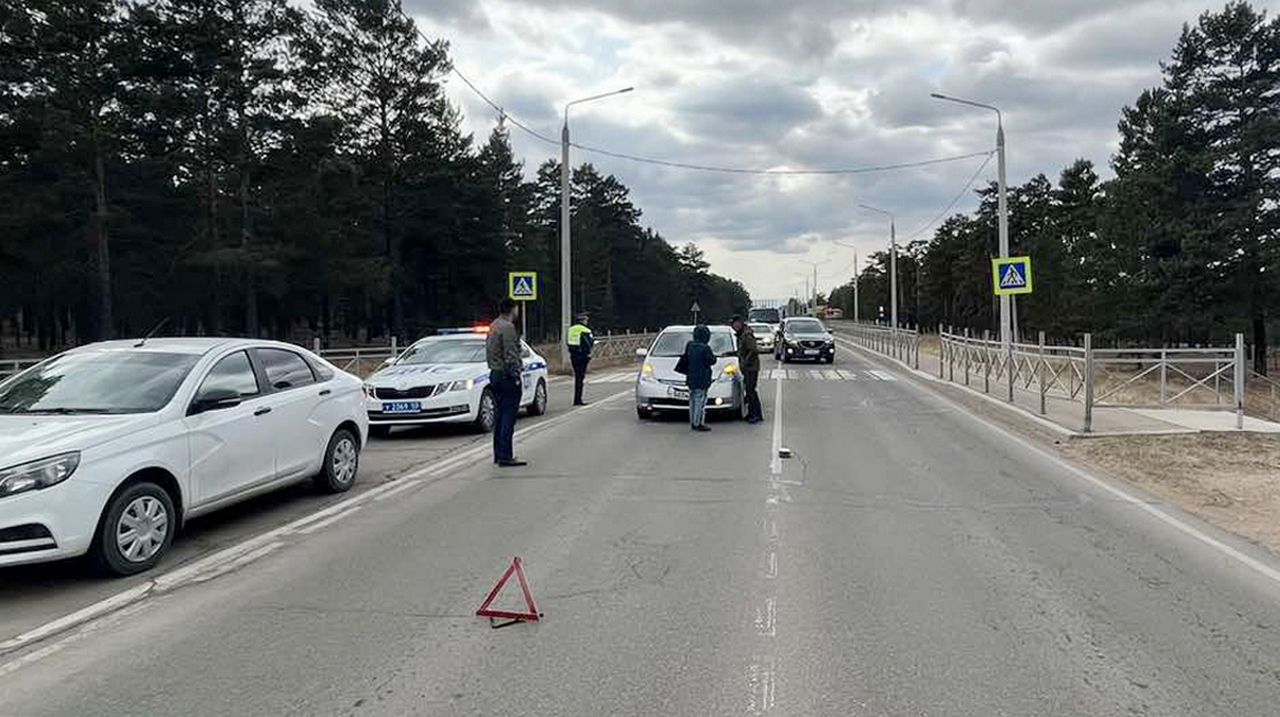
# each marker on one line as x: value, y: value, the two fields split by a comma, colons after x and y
x: 580, y: 342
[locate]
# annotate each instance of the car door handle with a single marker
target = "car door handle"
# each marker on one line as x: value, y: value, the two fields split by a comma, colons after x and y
x: 325, y: 392
x: 262, y: 411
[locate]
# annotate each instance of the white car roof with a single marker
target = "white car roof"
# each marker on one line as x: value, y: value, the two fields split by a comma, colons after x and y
x: 715, y: 328
x: 195, y: 345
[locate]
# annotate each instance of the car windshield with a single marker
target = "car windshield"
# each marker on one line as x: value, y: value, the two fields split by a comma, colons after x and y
x: 672, y: 343
x: 98, y: 382
x: 444, y: 351
x: 806, y: 326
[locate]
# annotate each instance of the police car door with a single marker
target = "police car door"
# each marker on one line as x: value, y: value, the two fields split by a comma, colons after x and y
x: 527, y: 375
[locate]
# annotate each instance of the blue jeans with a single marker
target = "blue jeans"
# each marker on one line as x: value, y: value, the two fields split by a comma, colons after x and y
x: 506, y: 397
x: 697, y: 406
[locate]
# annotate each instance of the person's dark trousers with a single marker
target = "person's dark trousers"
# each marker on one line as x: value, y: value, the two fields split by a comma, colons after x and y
x: 579, y: 375
x: 506, y: 397
x: 750, y: 379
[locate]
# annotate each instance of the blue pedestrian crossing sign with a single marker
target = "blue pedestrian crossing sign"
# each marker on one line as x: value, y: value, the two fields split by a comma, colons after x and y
x: 1011, y: 275
x: 522, y: 285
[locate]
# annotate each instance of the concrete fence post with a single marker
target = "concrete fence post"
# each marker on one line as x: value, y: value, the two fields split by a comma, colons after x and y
x: 394, y: 350
x: 315, y: 345
x: 1240, y: 369
x: 1088, y: 383
x: 1164, y: 374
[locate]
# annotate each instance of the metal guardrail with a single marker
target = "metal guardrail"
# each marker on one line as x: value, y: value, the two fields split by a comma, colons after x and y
x: 1073, y: 372
x: 12, y: 367
x: 619, y: 346
x: 902, y: 344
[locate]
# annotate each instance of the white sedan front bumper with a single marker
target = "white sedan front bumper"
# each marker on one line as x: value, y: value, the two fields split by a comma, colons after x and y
x: 655, y: 395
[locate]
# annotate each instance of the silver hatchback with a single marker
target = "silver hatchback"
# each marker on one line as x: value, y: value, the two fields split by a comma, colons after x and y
x: 660, y: 388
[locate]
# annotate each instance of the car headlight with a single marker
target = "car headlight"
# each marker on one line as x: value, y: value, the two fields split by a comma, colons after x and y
x: 37, y: 475
x: 466, y: 385
x: 647, y: 370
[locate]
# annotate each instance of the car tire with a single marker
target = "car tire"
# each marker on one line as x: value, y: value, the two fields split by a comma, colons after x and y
x: 831, y: 359
x: 642, y: 414
x: 486, y: 413
x: 538, y: 406
x: 379, y: 431
x: 341, y: 462
x: 146, y: 505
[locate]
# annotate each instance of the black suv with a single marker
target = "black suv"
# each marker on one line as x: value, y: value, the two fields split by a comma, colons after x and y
x: 803, y: 338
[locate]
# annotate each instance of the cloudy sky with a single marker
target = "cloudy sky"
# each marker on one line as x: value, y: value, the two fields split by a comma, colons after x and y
x: 806, y: 84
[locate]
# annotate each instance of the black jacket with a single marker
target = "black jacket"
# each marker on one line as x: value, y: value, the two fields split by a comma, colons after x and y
x: 698, y: 360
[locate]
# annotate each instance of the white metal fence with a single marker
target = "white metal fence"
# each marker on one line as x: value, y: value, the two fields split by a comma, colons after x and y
x: 902, y: 344
x: 1212, y: 378
x: 9, y: 367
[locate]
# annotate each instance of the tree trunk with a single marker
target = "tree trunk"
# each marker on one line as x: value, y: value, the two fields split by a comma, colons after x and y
x: 251, y: 323
x: 106, y: 322
x: 1260, y: 344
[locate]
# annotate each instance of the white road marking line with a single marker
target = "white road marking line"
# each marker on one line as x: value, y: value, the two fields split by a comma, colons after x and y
x: 407, y: 485
x: 771, y: 571
x: 775, y: 463
x: 1143, y: 504
x: 89, y: 629
x: 760, y: 685
x: 883, y: 375
x: 778, y: 373
x: 767, y: 618
x: 847, y: 375
x: 244, y: 560
x: 193, y: 571
x: 335, y: 518
x: 831, y: 374
x: 816, y: 375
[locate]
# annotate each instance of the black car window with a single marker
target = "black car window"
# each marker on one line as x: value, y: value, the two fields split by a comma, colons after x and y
x: 233, y: 373
x: 285, y: 369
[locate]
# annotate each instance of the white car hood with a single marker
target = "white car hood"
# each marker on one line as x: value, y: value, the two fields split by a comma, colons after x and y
x: 413, y: 375
x: 32, y: 437
x: 664, y: 367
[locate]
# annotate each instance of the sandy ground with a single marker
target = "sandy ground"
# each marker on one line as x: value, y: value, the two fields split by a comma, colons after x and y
x: 1230, y: 480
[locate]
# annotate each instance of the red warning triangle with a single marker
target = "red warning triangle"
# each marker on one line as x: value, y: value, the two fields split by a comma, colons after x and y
x: 531, y: 616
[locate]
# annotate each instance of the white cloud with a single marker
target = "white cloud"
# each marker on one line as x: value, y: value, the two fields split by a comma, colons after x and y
x: 806, y: 84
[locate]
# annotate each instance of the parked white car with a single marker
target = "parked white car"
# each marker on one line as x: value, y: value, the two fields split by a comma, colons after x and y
x: 445, y: 379
x: 109, y: 448
x: 660, y: 388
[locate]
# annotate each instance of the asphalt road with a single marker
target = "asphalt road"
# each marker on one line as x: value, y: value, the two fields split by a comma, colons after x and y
x: 908, y: 560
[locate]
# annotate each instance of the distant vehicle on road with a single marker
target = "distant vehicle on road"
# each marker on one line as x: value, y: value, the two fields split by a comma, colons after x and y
x: 660, y: 388
x: 833, y: 312
x: 764, y: 335
x: 445, y: 379
x: 764, y: 315
x: 109, y: 448
x: 803, y: 338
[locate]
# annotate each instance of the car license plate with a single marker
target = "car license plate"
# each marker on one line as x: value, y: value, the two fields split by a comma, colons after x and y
x: 402, y: 407
x: 810, y: 352
x: 680, y: 393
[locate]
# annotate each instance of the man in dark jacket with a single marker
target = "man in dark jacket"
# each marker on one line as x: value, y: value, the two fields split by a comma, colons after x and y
x: 749, y: 364
x: 503, y: 354
x: 697, y: 364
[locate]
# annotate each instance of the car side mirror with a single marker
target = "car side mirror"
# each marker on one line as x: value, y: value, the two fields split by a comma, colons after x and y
x: 641, y: 353
x: 386, y: 362
x: 216, y: 399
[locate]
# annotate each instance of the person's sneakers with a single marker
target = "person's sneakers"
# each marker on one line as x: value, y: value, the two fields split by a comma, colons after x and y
x: 579, y: 403
x: 702, y: 428
x: 754, y: 421
x: 513, y: 463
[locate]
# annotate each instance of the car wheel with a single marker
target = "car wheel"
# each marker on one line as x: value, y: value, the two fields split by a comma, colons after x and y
x: 379, y: 431
x: 487, y: 414
x: 643, y: 414
x: 831, y: 359
x: 341, y: 462
x: 539, y: 405
x: 136, y: 530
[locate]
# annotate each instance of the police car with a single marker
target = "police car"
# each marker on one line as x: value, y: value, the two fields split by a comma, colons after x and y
x: 445, y: 379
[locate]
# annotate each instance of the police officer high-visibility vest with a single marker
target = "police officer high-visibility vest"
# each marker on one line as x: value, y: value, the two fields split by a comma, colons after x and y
x: 580, y: 340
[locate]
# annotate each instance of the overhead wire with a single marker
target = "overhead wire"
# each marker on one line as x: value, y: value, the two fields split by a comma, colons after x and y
x: 954, y: 200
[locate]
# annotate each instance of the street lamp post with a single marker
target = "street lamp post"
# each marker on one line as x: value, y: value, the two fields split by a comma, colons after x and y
x: 893, y: 264
x: 1006, y: 305
x: 856, y: 270
x: 566, y: 262
x: 813, y: 293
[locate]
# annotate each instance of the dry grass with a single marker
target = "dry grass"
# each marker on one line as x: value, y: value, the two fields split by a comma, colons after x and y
x: 1230, y: 480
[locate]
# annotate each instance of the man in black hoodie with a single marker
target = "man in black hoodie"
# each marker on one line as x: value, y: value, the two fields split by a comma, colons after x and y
x: 749, y: 364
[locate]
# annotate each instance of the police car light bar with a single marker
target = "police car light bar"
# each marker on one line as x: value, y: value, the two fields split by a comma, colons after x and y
x: 463, y: 330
